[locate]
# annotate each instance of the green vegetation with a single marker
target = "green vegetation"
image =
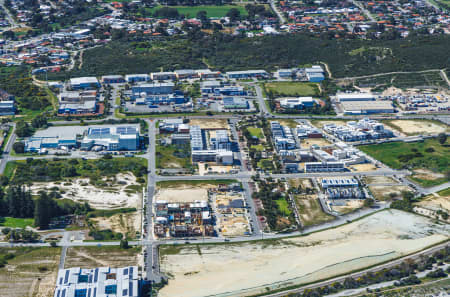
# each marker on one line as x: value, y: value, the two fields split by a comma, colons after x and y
x: 16, y: 222
x: 173, y: 156
x: 256, y: 132
x: 428, y: 155
x: 403, y: 81
x: 31, y: 99
x: 216, y: 11
x: 276, y: 208
x: 282, y: 89
x: 131, y: 54
x: 257, y: 147
x: 311, y: 212
x: 34, y: 170
x: 198, y: 183
x: 109, y: 212
x: 283, y: 206
x: 23, y: 257
x: 445, y: 192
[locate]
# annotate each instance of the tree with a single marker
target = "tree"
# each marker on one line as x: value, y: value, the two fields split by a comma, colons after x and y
x: 44, y: 210
x: 369, y: 202
x: 124, y: 244
x: 19, y: 147
x: 442, y: 138
x: 53, y: 244
x: 39, y: 121
x: 234, y: 14
x: 23, y: 129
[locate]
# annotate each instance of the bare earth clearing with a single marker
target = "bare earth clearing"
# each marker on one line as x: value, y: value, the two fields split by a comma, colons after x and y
x: 20, y: 276
x: 210, y: 124
x: 383, y: 192
x: 110, y: 197
x: 182, y: 195
x: 249, y: 268
x: 93, y: 256
x: 410, y: 127
x: 125, y: 223
x: 307, y: 143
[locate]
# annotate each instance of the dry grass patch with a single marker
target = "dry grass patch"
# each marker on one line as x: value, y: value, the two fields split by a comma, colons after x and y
x: 95, y: 256
x: 310, y: 211
x: 20, y: 277
x: 385, y: 192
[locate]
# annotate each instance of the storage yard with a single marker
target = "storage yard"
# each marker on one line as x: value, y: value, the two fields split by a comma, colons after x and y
x: 250, y: 268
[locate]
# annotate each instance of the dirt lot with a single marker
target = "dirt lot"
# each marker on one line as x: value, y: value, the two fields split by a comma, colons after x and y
x: 93, y: 256
x: 212, y: 167
x: 416, y: 127
x: 249, y: 268
x: 304, y: 182
x: 310, y: 210
x: 383, y: 192
x: 125, y: 223
x: 363, y: 167
x: 351, y: 205
x: 436, y: 201
x: 20, y: 276
x: 427, y: 174
x: 378, y: 180
x: 307, y: 143
x: 210, y: 124
x: 115, y: 195
x: 320, y: 124
x: 187, y: 194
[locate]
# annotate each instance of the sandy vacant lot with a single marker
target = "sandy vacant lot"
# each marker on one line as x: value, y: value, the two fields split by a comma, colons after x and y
x: 427, y: 174
x: 379, y: 180
x: 307, y: 143
x: 210, y: 124
x: 350, y: 206
x: 411, y: 127
x: 125, y: 223
x: 182, y: 195
x: 94, y: 256
x: 436, y: 202
x: 249, y: 268
x: 31, y: 273
x: 363, y: 167
x: 110, y: 197
x: 383, y: 192
x: 320, y: 124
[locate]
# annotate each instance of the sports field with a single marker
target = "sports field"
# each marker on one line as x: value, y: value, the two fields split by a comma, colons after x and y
x: 212, y: 11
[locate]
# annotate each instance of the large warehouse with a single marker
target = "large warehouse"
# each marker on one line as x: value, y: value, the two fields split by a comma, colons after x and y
x: 355, y: 97
x: 112, y: 138
x: 367, y: 107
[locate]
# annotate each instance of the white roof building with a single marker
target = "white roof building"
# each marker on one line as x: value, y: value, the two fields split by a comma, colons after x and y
x: 98, y: 282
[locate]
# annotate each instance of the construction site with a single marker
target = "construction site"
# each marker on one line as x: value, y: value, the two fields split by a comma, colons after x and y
x: 195, y: 212
x: 231, y: 213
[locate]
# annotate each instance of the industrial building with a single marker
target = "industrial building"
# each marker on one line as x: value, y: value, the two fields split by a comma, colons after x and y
x: 284, y: 73
x: 307, y: 131
x: 42, y: 144
x: 235, y: 103
x: 152, y: 89
x: 98, y: 282
x: 112, y: 138
x: 163, y: 76
x: 208, y: 87
x: 213, y: 147
x: 342, y: 97
x: 297, y: 103
x: 186, y: 74
x: 208, y: 74
x: 324, y: 167
x: 230, y: 91
x: 84, y: 83
x: 78, y: 102
x: 113, y: 79
x: 367, y: 107
x: 7, y: 107
x: 134, y: 78
x: 339, y: 182
x: 247, y: 74
x: 315, y: 73
x: 364, y: 129
x: 170, y: 125
x: 282, y: 137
